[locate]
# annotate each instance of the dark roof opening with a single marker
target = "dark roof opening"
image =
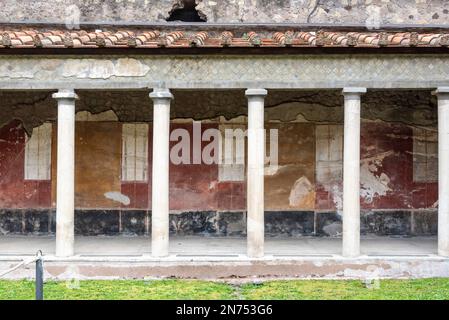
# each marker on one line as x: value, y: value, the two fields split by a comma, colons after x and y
x: 185, y: 11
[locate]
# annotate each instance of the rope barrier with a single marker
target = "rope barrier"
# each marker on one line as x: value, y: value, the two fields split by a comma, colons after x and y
x: 21, y: 264
x: 39, y: 273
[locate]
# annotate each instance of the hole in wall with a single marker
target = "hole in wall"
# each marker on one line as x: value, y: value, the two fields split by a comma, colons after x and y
x: 185, y: 11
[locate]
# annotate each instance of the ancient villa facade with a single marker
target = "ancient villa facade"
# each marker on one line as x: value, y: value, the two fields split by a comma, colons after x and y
x: 361, y: 115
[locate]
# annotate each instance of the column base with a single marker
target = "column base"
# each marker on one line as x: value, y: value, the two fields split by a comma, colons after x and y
x: 352, y: 255
x: 160, y: 250
x: 255, y: 255
x: 351, y: 251
x: 443, y: 253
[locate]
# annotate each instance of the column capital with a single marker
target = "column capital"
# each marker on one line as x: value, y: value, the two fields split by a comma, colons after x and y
x: 353, y: 91
x: 65, y: 94
x: 161, y: 94
x: 441, y: 91
x: 256, y: 93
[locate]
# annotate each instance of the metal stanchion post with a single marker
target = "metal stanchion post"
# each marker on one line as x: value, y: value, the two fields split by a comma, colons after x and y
x: 39, y: 277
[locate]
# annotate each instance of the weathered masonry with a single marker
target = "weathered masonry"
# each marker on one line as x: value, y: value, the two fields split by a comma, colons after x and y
x: 87, y: 119
x: 232, y: 11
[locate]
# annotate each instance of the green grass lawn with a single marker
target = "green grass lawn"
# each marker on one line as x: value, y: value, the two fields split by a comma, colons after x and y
x: 192, y: 289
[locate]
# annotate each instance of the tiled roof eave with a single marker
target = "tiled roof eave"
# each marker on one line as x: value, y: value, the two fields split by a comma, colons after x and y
x: 128, y: 38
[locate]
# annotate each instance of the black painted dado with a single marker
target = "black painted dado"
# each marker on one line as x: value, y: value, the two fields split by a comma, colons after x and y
x: 425, y: 222
x: 328, y: 224
x: 231, y: 223
x: 37, y: 221
x: 52, y: 221
x: 194, y: 223
x: 289, y: 223
x: 97, y: 222
x: 11, y: 221
x: 133, y: 222
x: 212, y: 223
x: 386, y: 223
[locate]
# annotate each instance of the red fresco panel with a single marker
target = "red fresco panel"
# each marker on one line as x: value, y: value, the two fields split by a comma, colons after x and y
x: 386, y: 172
x: 432, y: 195
x: 12, y: 147
x: 424, y: 195
x: 150, y: 166
x: 322, y: 199
x: 44, y: 200
x: 238, y: 197
x: 141, y: 195
x: 31, y: 193
x: 37, y: 194
x: 128, y: 189
x: 392, y: 145
x: 137, y: 192
x: 419, y: 195
x: 387, y: 177
x: 15, y: 191
x: 193, y: 186
x: 386, y: 166
x: 330, y: 198
x: 231, y: 196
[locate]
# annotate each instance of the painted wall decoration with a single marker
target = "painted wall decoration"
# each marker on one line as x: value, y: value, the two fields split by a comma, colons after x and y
x: 15, y: 190
x: 114, y: 164
x: 292, y: 186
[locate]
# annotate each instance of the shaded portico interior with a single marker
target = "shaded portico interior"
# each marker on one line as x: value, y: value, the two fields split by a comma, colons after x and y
x: 89, y: 118
x: 303, y: 197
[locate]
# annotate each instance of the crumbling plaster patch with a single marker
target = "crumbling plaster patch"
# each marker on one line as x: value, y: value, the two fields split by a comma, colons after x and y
x: 104, y: 69
x: 302, y: 194
x: 373, y: 183
x: 118, y: 197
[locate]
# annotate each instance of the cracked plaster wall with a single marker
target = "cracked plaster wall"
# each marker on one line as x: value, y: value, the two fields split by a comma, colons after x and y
x: 415, y: 108
x: 371, y: 12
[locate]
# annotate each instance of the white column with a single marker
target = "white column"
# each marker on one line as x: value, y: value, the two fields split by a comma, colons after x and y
x: 443, y: 170
x: 255, y: 182
x: 160, y: 186
x: 351, y: 172
x: 65, y: 176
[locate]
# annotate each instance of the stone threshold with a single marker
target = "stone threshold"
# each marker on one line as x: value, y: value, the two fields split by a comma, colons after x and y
x: 228, y: 268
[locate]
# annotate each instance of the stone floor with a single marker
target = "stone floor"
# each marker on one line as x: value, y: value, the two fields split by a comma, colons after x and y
x: 205, y: 246
x: 224, y: 258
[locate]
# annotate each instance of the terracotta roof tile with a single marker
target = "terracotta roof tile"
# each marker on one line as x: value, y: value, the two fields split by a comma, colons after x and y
x: 198, y: 39
x: 284, y: 39
x: 307, y: 38
x: 142, y: 38
x: 226, y: 38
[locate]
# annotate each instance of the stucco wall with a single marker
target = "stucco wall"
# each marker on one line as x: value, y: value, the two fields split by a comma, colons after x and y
x: 373, y: 12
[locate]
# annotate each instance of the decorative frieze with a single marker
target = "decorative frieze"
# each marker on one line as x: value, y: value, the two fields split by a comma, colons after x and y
x: 232, y: 72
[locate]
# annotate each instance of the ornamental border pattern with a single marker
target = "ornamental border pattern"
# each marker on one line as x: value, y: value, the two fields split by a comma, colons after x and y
x: 233, y: 72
